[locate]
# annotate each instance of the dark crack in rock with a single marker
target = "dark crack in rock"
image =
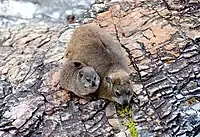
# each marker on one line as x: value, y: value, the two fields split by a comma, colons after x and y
x: 30, y: 56
x: 167, y: 104
x: 167, y: 111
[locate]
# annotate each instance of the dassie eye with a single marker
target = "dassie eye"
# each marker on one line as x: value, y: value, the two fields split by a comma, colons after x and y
x: 117, y: 93
x: 88, y: 79
x: 94, y: 78
x: 128, y: 92
x: 81, y: 74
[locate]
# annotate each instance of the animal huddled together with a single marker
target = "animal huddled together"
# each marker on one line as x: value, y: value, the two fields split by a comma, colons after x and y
x: 96, y: 65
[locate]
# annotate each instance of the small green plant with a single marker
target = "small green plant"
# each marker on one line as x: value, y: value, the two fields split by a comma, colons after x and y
x: 132, y: 127
x: 126, y: 113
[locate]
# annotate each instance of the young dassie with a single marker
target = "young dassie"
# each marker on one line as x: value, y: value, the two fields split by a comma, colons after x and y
x: 92, y: 46
x: 75, y: 76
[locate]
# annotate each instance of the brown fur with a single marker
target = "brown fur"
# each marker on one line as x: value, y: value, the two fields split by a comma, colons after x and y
x: 74, y: 76
x: 97, y: 49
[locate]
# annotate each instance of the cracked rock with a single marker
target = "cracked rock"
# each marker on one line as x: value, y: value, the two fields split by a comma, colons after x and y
x: 167, y: 90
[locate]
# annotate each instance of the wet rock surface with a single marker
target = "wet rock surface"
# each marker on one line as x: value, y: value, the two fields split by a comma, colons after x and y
x: 14, y: 12
x: 165, y: 59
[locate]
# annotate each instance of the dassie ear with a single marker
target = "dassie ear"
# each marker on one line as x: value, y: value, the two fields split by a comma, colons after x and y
x: 77, y: 64
x: 117, y: 81
x: 133, y: 77
x: 108, y: 79
x: 80, y: 74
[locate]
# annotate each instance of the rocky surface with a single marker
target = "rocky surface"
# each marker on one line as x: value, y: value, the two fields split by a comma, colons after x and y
x: 165, y: 108
x: 30, y: 56
x: 164, y: 47
x: 13, y: 12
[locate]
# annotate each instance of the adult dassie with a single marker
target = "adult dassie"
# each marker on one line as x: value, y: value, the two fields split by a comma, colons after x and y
x: 92, y: 46
x: 75, y: 76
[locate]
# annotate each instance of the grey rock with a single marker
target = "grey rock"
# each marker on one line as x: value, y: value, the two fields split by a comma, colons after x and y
x: 31, y: 54
x: 98, y: 8
x: 27, y: 103
x: 165, y: 105
x: 111, y: 110
x: 121, y: 134
x: 114, y: 122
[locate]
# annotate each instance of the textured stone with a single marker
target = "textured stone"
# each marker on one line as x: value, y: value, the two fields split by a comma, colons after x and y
x: 111, y: 110
x: 30, y: 97
x: 166, y: 68
x: 114, y: 122
x: 121, y: 134
x: 128, y: 134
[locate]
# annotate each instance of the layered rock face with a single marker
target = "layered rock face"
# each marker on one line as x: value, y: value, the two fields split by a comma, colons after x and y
x: 164, y: 51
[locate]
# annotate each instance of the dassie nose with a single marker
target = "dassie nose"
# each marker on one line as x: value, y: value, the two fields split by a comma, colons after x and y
x: 93, y: 83
x: 125, y: 102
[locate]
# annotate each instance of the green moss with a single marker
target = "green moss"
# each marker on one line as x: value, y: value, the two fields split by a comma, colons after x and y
x: 132, y: 127
x: 126, y: 113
